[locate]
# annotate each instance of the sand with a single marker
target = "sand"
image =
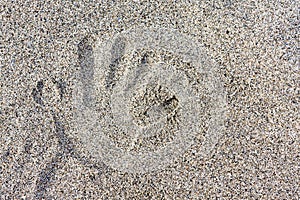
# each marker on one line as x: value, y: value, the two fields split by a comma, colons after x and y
x: 73, y: 128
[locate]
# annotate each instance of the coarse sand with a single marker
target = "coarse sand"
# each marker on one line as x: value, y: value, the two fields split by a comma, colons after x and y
x: 149, y: 99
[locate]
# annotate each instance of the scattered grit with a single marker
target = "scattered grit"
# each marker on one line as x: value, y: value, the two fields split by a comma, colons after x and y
x: 44, y: 48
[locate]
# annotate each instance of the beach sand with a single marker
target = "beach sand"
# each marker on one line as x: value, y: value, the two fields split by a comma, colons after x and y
x: 48, y: 151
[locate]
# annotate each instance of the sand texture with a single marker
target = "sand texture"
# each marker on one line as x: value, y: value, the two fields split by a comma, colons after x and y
x: 149, y: 99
